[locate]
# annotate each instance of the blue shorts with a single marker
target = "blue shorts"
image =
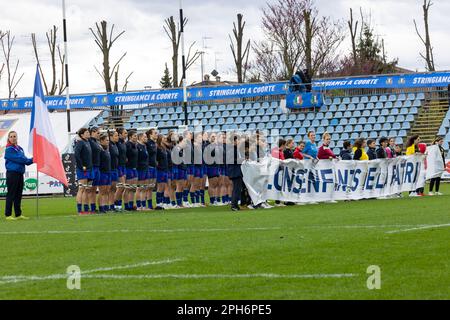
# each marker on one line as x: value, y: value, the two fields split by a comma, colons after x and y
x: 162, y: 176
x: 198, y: 172
x: 179, y: 173
x: 151, y: 173
x: 105, y: 179
x: 190, y: 170
x: 213, y: 172
x: 142, y: 175
x: 96, y: 176
x: 223, y: 171
x: 85, y: 175
x: 122, y: 171
x: 132, y: 174
x: 114, y: 175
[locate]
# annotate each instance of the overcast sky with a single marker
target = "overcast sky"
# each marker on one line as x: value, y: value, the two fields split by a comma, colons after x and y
x: 148, y: 48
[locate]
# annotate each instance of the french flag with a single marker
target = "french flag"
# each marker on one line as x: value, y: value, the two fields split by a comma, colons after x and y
x: 42, y: 142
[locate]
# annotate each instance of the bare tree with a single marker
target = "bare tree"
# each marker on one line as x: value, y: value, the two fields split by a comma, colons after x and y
x: 281, y: 23
x: 62, y: 85
x: 51, y: 42
x: 7, y: 42
x: 268, y: 63
x: 2, y: 67
x: 191, y: 59
x: 240, y: 54
x: 105, y: 41
x: 353, y: 26
x: 429, y: 56
x: 172, y: 30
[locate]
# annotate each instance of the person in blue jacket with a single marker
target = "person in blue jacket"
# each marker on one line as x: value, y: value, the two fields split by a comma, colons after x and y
x: 85, y: 176
x: 311, y: 150
x: 15, y: 168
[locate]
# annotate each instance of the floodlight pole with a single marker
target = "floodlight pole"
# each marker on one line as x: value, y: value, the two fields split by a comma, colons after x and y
x: 66, y: 66
x: 183, y: 59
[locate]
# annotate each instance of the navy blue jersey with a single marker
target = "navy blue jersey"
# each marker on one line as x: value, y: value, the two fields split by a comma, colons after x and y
x: 96, y: 149
x: 83, y: 154
x: 151, y: 149
x: 169, y: 157
x: 122, y: 146
x: 161, y: 158
x: 114, y: 152
x: 142, y: 157
x: 132, y: 155
x: 105, y: 161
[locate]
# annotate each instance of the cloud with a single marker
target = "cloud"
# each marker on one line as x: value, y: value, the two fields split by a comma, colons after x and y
x: 148, y: 48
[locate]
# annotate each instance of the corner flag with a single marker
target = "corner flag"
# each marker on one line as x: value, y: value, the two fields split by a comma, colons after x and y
x: 42, y: 144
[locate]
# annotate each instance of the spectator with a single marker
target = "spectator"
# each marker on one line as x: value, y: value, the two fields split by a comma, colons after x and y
x: 15, y: 168
x: 436, y: 182
x: 398, y: 150
x: 298, y: 153
x: 359, y: 152
x: 390, y: 150
x: 412, y: 147
x: 278, y: 152
x: 289, y: 150
x: 310, y: 151
x: 346, y: 152
x: 325, y: 152
x: 372, y: 150
x: 381, y: 151
x: 296, y: 82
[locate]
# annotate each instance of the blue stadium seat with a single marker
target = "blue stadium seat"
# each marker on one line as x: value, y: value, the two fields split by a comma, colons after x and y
x: 417, y: 103
x: 347, y: 114
x: 396, y: 126
x: 362, y: 120
x: 274, y: 104
x: 407, y: 104
x: 414, y: 111
x: 307, y: 123
x: 325, y: 123
x: 383, y: 98
x: 395, y: 112
x: 283, y: 117
x: 374, y: 99
x: 410, y: 118
x: 248, y: 106
x: 315, y: 123
x: 401, y: 97
x: 354, y: 136
x: 406, y: 126
x: 279, y: 125
x: 243, y: 113
x: 334, y: 122
x: 353, y: 121
x: 337, y: 101
x: 330, y: 129
x: 402, y: 133
x: 351, y: 107
x: 137, y: 112
x: 368, y: 127
x: 343, y: 122
x: 370, y: 106
x: 287, y: 124
x: 338, y: 115
x: 420, y: 96
x: 342, y: 108
x: 323, y: 108
x: 388, y: 105
x: 257, y: 105
x: 335, y: 136
x: 329, y: 115
x: 293, y: 131
x: 364, y: 99
x: 302, y: 131
x: 377, y: 127
x: 348, y: 129
x: 364, y: 135
x: 392, y: 97
x: 379, y: 105
x: 399, y: 140
x: 372, y: 120
x: 243, y: 126
x: 274, y: 118
x: 373, y: 135
x: 311, y: 116
x: 398, y: 104
x: 333, y: 108
x: 339, y: 129
x: 411, y: 97
x: 387, y: 126
x: 360, y: 106
x: 301, y: 116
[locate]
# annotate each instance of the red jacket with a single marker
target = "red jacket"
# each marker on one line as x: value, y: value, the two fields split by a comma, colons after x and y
x: 325, y: 153
x: 277, y: 153
x: 298, y: 154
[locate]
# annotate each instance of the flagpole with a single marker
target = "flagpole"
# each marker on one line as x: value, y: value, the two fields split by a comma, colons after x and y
x: 66, y: 66
x: 37, y: 193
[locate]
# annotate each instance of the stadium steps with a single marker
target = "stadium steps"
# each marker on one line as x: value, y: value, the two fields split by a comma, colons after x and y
x: 430, y: 118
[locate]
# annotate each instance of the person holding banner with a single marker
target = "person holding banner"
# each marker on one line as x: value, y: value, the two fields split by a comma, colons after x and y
x: 298, y: 153
x: 346, y: 152
x: 382, y: 150
x: 325, y: 152
x: 359, y: 151
x: 372, y: 149
x: 436, y: 182
x: 311, y: 149
x: 412, y: 147
x: 15, y: 169
x: 390, y: 150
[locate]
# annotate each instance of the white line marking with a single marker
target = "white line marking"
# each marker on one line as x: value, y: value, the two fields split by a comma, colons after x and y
x: 22, y: 278
x: 420, y: 228
x: 16, y: 279
x: 57, y: 232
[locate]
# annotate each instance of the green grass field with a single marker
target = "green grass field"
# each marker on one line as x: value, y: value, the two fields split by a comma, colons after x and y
x: 303, y: 252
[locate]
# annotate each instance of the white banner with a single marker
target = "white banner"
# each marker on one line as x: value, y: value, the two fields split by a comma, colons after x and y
x: 309, y: 181
x: 446, y: 174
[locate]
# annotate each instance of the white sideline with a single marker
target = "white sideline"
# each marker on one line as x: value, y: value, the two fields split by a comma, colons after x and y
x: 420, y: 228
x: 16, y: 279
x: 22, y: 278
x: 134, y: 231
x: 49, y: 232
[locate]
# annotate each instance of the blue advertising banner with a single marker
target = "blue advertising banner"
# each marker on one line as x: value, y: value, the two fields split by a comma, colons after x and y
x: 436, y: 79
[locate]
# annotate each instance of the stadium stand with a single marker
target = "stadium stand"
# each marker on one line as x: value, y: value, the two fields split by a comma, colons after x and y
x: 345, y: 118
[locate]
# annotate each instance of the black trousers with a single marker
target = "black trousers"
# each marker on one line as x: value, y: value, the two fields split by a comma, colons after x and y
x: 435, y: 182
x: 237, y: 191
x: 14, y: 183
